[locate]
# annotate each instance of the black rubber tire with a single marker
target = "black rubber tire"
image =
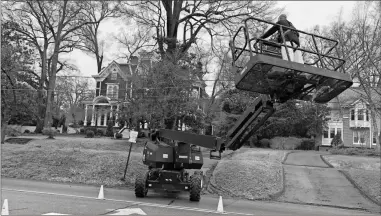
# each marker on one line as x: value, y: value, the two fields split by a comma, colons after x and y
x: 141, y: 189
x: 195, y: 187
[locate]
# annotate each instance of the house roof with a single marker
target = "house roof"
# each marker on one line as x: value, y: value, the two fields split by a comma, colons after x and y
x: 352, y: 96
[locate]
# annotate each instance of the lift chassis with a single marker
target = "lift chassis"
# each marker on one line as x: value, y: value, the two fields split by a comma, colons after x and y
x: 169, y: 154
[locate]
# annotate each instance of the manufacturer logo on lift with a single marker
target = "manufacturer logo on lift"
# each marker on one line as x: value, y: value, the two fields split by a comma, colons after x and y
x: 183, y: 156
x: 243, y: 70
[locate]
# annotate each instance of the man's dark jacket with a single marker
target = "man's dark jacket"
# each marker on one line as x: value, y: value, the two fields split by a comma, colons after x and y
x: 291, y: 36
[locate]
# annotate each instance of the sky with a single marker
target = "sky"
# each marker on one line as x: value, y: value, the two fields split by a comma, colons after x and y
x: 303, y: 14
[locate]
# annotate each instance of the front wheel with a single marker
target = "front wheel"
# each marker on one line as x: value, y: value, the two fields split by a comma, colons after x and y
x: 195, y: 187
x: 141, y: 189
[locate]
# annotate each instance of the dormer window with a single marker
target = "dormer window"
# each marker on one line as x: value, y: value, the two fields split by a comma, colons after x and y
x: 114, y: 74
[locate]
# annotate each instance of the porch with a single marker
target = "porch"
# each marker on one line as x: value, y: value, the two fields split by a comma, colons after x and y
x: 100, y: 110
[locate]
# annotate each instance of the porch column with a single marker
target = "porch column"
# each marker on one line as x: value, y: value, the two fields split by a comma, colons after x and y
x: 93, y: 116
x: 99, y: 114
x: 116, y: 116
x: 85, y: 122
x: 111, y: 112
x: 105, y: 118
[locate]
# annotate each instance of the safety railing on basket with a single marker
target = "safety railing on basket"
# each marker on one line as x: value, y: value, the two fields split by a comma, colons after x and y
x: 321, y: 59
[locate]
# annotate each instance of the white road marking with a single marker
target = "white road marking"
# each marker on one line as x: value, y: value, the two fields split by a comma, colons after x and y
x: 53, y: 213
x: 131, y: 202
x: 128, y: 211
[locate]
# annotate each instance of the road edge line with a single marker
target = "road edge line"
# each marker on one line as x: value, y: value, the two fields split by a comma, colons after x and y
x: 132, y: 202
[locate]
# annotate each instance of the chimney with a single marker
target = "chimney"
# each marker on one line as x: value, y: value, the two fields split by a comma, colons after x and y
x: 134, y: 60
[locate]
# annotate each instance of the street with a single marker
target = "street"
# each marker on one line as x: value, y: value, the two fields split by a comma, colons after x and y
x: 38, y: 198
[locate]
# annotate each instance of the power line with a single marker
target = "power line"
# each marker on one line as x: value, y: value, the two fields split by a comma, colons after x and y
x: 207, y: 80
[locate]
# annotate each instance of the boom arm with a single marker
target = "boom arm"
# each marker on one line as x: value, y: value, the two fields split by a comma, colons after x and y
x: 236, y: 137
x: 245, y: 126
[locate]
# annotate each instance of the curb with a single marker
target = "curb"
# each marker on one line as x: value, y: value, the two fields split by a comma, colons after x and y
x: 326, y: 162
x: 276, y: 195
x: 326, y: 205
x: 285, y: 157
x: 347, y: 176
x: 362, y: 192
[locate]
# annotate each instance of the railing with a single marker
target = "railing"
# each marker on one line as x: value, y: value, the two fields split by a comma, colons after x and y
x: 359, y: 124
x: 237, y: 51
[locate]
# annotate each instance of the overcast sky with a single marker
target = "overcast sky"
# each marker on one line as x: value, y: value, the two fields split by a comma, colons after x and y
x: 303, y: 14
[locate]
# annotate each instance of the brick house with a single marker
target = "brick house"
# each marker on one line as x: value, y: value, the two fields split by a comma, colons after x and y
x: 351, y: 118
x: 114, y: 88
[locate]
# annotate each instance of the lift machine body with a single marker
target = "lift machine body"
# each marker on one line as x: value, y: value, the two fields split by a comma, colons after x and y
x: 169, y: 154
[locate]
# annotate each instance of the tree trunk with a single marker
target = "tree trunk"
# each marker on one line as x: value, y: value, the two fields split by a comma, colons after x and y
x: 52, y: 82
x: 39, y: 126
x: 4, y: 125
x: 40, y: 93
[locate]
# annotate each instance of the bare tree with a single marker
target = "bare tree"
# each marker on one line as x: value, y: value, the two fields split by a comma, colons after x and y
x: 193, y: 18
x: 61, y: 19
x: 134, y: 41
x: 72, y: 92
x: 49, y: 26
x: 360, y: 45
x: 97, y: 12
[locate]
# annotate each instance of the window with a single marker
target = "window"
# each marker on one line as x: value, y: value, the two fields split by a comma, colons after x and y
x: 375, y: 137
x: 352, y: 115
x: 114, y: 74
x: 338, y: 131
x: 331, y: 133
x: 98, y: 89
x: 358, y: 137
x: 112, y: 90
x: 367, y: 115
x: 355, y: 137
x: 325, y: 133
x: 360, y: 115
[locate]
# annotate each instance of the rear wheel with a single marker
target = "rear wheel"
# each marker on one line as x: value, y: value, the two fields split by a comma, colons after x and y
x: 141, y: 189
x: 195, y: 187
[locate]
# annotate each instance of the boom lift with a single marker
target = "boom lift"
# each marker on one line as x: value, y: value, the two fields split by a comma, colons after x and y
x: 169, y: 153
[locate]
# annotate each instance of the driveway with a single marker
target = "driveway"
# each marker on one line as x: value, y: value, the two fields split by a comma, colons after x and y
x: 309, y: 180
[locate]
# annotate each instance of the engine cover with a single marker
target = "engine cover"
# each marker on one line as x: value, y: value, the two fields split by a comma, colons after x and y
x: 160, y: 155
x: 157, y: 154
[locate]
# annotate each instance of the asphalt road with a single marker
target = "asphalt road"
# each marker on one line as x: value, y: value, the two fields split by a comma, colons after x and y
x: 38, y: 197
x: 310, y: 180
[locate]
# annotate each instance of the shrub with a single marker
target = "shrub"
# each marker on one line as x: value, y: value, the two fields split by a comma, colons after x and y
x: 27, y: 131
x: 109, y: 130
x: 336, y: 141
x: 82, y: 130
x: 307, y: 144
x: 118, y: 136
x: 100, y: 132
x: 355, y: 151
x: 50, y: 133
x: 11, y: 132
x: 263, y: 143
x: 89, y: 133
x: 80, y: 122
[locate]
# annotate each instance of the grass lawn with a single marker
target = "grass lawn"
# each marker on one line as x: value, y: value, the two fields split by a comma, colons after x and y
x: 73, y: 159
x: 365, y: 171
x: 250, y: 173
